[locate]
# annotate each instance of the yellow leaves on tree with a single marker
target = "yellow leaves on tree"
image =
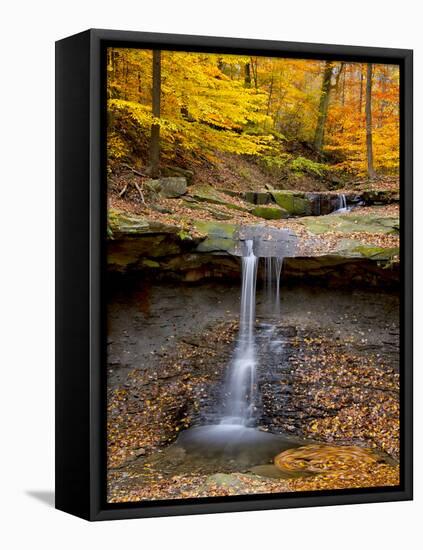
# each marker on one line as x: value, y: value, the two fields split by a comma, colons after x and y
x: 240, y: 104
x: 202, y: 107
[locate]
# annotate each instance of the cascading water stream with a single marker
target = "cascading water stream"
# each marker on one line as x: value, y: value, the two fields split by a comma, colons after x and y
x: 233, y: 432
x: 241, y: 382
x: 342, y: 204
x: 272, y: 275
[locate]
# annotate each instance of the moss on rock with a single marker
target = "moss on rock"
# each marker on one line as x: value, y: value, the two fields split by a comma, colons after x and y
x: 219, y: 236
x: 350, y: 223
x: 294, y: 203
x: 270, y: 212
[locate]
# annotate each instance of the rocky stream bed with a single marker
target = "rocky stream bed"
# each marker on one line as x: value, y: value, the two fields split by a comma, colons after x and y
x: 327, y: 357
x: 328, y: 374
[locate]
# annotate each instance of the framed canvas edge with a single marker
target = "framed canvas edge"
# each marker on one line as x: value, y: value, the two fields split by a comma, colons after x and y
x: 97, y: 508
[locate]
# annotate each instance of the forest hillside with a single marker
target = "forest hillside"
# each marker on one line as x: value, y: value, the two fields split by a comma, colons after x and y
x: 246, y: 123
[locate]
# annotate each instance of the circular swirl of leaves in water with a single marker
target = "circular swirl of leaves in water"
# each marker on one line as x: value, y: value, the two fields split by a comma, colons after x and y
x: 316, y: 459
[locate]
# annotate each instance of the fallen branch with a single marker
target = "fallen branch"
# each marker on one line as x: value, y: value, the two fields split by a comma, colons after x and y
x: 140, y: 192
x: 123, y: 190
x: 141, y: 174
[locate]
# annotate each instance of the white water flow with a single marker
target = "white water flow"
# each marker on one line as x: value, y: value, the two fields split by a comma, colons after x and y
x: 272, y: 276
x: 235, y: 434
x: 240, y: 388
x: 342, y: 204
x: 278, y: 268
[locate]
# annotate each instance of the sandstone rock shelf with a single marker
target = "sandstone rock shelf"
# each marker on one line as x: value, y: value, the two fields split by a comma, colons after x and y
x: 332, y: 247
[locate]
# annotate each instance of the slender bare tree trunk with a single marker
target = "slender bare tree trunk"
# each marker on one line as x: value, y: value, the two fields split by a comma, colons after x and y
x: 369, y: 134
x: 269, y: 100
x: 247, y: 75
x: 323, y: 106
x: 344, y: 76
x: 155, y: 128
x: 342, y: 67
x: 139, y: 85
x: 253, y: 63
x: 361, y: 89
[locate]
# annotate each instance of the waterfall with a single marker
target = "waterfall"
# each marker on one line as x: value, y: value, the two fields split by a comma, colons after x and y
x: 342, y: 204
x: 232, y: 432
x: 278, y: 268
x: 272, y: 274
x: 241, y: 385
x: 241, y: 382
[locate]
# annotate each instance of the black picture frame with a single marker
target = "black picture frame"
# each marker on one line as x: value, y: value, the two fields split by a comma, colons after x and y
x: 80, y: 266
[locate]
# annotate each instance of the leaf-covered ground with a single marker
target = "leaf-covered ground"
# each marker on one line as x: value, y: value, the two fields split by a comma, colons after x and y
x: 152, y: 406
x: 337, y: 387
x: 186, y: 210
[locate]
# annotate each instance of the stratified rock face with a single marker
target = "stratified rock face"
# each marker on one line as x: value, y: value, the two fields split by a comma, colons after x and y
x: 210, y: 249
x: 338, y: 270
x: 270, y: 212
x: 172, y: 187
x: 380, y: 197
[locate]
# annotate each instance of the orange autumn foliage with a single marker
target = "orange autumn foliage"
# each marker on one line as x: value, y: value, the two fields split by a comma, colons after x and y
x: 252, y: 106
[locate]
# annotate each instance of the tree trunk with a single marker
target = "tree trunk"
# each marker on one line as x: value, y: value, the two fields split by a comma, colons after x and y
x: 342, y: 66
x: 323, y: 105
x: 269, y: 100
x: 155, y: 128
x: 247, y: 77
x: 344, y: 76
x: 253, y: 63
x: 361, y: 89
x: 369, y: 135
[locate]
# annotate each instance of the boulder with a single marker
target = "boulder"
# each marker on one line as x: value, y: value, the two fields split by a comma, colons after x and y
x: 172, y: 187
x: 270, y: 212
x: 258, y: 197
x: 172, y: 171
x: 296, y: 204
x: 219, y: 236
